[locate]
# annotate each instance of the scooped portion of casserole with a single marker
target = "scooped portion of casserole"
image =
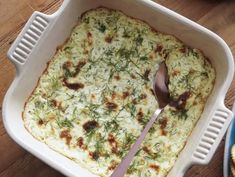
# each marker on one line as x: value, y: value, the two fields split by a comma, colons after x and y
x: 96, y: 95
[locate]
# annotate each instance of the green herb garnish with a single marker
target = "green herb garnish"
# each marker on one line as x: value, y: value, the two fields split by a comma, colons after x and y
x: 139, y: 40
x: 102, y: 28
x: 65, y: 123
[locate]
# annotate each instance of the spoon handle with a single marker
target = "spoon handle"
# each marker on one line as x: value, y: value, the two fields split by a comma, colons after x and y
x: 123, y: 166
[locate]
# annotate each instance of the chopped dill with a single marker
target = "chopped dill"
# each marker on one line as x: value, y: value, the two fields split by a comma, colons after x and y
x: 38, y: 104
x: 65, y: 123
x: 90, y: 135
x: 139, y: 40
x: 67, y: 73
x: 102, y: 28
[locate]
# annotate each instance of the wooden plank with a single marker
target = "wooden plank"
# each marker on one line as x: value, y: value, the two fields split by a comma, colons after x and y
x: 192, y: 9
x: 221, y: 20
x: 9, y: 152
x: 29, y: 166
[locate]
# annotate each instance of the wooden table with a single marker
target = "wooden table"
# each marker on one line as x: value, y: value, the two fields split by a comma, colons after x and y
x: 217, y: 15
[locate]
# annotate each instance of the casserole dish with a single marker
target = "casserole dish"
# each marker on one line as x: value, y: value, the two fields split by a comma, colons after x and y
x: 37, y: 43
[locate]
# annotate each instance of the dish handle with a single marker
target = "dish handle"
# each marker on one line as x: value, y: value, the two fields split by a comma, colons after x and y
x: 208, y: 141
x: 31, y: 34
x: 28, y: 38
x: 212, y: 135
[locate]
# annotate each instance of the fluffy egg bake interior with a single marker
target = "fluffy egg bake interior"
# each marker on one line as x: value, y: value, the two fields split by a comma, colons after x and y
x: 95, y: 97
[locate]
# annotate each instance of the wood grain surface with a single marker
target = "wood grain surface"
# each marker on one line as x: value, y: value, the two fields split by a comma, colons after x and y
x: 217, y: 15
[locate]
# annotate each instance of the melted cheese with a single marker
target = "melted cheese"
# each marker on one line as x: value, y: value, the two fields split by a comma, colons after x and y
x: 96, y: 95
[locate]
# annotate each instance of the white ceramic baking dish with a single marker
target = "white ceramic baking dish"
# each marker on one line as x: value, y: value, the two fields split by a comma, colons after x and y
x: 37, y: 43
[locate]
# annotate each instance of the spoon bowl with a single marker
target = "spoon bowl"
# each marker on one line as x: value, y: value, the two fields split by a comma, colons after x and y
x: 160, y: 86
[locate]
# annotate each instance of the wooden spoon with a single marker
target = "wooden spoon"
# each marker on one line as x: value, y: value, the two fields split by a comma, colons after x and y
x: 162, y: 95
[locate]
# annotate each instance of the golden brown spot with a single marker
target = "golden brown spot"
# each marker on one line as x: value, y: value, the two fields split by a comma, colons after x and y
x: 81, y: 144
x: 80, y: 141
x: 158, y: 49
x: 140, y: 115
x: 146, y: 149
x: 114, y: 150
x: 85, y: 51
x: 114, y: 95
x: 90, y: 125
x: 57, y: 104
x: 154, y: 167
x: 163, y: 123
x: 89, y: 34
x: 117, y: 77
x: 40, y: 122
x: 113, y: 143
x: 44, y: 95
x: 108, y: 39
x: 93, y: 96
x: 67, y: 64
x: 143, y: 96
x: 78, y: 67
x: 94, y: 155
x: 73, y: 86
x: 90, y: 42
x: 151, y: 56
x: 133, y: 76
x: 66, y: 134
x: 111, y: 139
x: 113, y: 165
x: 89, y: 38
x: 191, y: 71
x: 134, y: 101
x: 125, y: 94
x: 111, y: 106
x: 163, y: 132
x: 54, y: 102
x: 175, y: 72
